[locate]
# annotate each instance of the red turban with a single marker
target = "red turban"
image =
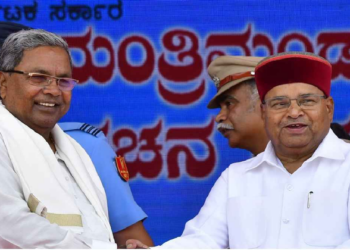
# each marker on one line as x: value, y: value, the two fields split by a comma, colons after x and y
x: 293, y: 67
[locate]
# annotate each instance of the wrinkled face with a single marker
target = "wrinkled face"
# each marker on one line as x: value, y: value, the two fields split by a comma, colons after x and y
x: 239, y: 119
x: 37, y: 107
x: 297, y: 130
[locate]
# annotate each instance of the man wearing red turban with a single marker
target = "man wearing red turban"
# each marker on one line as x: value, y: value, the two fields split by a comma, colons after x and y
x: 295, y: 194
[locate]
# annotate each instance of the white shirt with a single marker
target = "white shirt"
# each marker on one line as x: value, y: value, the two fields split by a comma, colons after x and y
x: 20, y: 227
x: 258, y: 204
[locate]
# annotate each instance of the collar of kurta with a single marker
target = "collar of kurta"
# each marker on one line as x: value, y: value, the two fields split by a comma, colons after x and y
x: 327, y: 149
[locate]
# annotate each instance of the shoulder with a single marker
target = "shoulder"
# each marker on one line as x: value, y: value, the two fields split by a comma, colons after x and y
x: 344, y: 144
x: 96, y: 145
x: 243, y: 166
x: 89, y: 137
x: 238, y: 169
x: 339, y: 145
x: 83, y: 128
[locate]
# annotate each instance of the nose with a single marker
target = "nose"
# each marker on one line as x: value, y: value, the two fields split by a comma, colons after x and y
x: 52, y: 88
x: 294, y: 110
x: 222, y: 116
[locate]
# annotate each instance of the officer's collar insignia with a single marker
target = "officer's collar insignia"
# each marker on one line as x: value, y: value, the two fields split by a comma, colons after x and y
x: 122, y: 169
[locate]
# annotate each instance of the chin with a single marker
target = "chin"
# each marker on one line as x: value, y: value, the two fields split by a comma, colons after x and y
x: 46, y: 125
x: 233, y: 144
x: 295, y: 142
x: 299, y: 144
x: 296, y: 146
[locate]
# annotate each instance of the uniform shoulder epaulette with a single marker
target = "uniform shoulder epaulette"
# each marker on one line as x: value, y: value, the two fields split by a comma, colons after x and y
x: 87, y: 128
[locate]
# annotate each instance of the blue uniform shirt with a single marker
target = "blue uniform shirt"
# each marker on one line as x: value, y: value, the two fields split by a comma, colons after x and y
x: 122, y: 208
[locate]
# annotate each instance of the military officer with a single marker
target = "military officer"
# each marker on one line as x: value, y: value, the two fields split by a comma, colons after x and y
x: 125, y: 216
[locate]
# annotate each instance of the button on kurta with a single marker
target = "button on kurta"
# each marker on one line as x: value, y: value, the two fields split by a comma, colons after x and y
x: 289, y: 187
x: 285, y: 221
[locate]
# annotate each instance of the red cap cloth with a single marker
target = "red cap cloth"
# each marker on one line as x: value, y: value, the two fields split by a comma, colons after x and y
x: 293, y: 67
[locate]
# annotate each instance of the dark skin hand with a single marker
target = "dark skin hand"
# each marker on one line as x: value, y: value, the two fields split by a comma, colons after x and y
x: 135, y: 231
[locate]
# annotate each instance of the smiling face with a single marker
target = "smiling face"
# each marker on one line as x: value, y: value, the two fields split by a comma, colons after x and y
x: 239, y: 119
x: 37, y: 107
x: 296, y: 130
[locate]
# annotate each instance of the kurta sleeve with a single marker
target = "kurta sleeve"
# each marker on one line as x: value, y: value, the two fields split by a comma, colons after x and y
x: 21, y: 228
x: 209, y: 228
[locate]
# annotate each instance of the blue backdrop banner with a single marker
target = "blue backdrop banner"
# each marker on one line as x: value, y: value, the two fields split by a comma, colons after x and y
x: 143, y: 80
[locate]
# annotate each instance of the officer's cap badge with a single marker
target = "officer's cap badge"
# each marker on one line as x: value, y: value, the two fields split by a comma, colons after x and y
x: 216, y: 81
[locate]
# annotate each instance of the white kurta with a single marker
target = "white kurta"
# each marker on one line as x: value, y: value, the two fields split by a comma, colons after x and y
x: 93, y: 226
x: 258, y: 204
x: 25, y: 229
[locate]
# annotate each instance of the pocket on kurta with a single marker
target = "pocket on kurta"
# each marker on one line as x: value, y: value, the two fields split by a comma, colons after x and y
x: 246, y: 222
x: 325, y: 222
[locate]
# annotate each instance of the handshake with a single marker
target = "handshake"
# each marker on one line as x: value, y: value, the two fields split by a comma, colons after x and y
x: 134, y: 244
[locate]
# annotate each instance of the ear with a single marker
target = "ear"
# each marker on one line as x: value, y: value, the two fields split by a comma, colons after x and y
x: 3, y: 85
x: 330, y: 107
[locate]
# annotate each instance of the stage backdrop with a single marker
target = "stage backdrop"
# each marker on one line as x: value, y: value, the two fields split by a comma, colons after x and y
x: 142, y: 67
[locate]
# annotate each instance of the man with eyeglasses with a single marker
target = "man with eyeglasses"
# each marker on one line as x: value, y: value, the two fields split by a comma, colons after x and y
x: 50, y: 193
x: 125, y: 216
x: 296, y: 193
x: 64, y: 84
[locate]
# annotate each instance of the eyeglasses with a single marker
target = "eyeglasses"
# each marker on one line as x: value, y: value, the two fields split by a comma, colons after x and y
x: 42, y: 80
x: 281, y: 103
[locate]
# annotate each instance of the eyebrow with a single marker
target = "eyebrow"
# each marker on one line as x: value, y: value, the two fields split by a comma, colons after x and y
x: 277, y: 97
x: 282, y: 96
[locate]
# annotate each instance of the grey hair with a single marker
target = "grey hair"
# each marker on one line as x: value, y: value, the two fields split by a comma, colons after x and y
x: 254, y: 96
x: 15, y: 44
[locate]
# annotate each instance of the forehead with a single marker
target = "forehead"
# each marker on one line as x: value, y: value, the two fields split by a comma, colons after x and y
x: 293, y: 90
x: 48, y: 59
